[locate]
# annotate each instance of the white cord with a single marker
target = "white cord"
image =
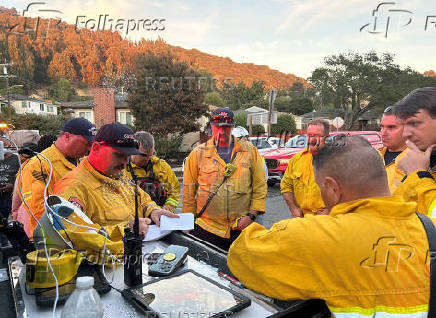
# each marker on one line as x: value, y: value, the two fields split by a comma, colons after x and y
x: 33, y: 216
x: 45, y: 195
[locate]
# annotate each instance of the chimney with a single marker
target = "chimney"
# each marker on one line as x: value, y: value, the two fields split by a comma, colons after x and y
x: 104, y: 106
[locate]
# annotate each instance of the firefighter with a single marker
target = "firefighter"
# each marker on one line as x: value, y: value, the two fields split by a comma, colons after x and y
x: 298, y: 185
x: 418, y: 112
x: 154, y: 175
x: 99, y: 187
x: 73, y: 143
x: 367, y: 258
x: 394, y: 147
x: 231, y: 172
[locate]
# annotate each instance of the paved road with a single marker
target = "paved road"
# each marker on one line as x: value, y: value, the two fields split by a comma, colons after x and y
x: 276, y: 208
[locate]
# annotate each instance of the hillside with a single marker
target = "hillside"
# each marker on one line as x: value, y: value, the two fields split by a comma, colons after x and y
x: 87, y: 56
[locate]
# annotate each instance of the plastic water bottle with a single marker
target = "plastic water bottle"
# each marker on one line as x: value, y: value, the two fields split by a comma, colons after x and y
x: 84, y: 301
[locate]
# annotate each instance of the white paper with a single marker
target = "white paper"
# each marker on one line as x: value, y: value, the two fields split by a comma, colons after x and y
x: 184, y: 222
x: 154, y: 233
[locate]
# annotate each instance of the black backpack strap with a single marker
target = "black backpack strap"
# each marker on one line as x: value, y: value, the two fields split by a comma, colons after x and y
x: 149, y: 168
x: 431, y: 235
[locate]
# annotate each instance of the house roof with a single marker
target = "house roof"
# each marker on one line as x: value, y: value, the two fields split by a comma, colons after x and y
x: 335, y: 112
x: 255, y: 109
x: 14, y: 96
x: 120, y: 102
x: 80, y: 104
x: 325, y: 113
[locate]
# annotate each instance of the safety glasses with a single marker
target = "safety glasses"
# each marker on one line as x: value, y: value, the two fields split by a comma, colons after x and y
x: 221, y: 120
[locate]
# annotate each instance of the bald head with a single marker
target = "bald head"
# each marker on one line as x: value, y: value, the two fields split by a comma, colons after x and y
x: 349, y: 168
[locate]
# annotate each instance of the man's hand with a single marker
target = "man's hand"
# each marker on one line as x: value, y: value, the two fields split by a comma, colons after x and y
x: 156, y: 214
x: 297, y: 212
x: 245, y: 221
x: 415, y: 159
x: 143, y: 225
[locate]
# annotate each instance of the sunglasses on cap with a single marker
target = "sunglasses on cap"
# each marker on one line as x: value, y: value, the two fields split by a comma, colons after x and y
x: 389, y: 109
x: 125, y: 143
x: 223, y: 120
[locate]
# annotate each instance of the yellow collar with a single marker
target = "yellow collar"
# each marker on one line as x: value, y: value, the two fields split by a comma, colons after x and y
x: 393, y: 206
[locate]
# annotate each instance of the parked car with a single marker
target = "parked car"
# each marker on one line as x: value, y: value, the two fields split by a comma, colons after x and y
x: 277, y: 160
x: 264, y: 144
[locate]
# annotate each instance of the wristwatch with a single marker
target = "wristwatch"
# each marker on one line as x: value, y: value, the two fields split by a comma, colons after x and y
x: 252, y: 216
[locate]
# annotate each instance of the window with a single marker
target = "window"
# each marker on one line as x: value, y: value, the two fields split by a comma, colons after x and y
x: 24, y: 104
x: 41, y: 107
x: 50, y: 108
x: 86, y: 115
x: 125, y: 118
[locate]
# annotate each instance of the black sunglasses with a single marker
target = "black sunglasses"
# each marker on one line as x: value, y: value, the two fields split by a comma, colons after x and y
x: 216, y: 120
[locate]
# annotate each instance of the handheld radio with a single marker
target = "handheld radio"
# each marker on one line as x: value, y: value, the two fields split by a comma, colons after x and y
x: 133, y: 245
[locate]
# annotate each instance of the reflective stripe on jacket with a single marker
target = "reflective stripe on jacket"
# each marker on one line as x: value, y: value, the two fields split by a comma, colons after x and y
x: 368, y: 258
x: 165, y: 175
x: 33, y: 183
x: 245, y: 190
x: 300, y: 180
x: 395, y: 174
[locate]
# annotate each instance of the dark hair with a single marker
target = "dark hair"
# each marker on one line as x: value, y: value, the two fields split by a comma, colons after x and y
x: 337, y: 146
x: 321, y: 122
x: 45, y: 142
x: 420, y: 98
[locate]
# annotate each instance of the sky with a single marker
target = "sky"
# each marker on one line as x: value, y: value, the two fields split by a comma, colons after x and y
x: 292, y: 36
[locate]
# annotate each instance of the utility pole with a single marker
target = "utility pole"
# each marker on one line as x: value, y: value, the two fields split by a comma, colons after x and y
x: 272, y: 98
x: 7, y: 76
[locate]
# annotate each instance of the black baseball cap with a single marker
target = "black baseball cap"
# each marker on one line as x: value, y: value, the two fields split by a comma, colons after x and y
x: 222, y: 116
x: 82, y: 127
x: 120, y: 137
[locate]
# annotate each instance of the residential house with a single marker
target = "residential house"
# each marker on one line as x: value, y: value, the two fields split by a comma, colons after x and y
x: 105, y: 108
x: 30, y: 105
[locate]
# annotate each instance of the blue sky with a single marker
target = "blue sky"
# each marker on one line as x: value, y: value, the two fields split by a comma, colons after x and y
x: 292, y: 36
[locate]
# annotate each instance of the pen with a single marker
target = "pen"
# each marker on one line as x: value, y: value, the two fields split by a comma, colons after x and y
x: 232, y: 280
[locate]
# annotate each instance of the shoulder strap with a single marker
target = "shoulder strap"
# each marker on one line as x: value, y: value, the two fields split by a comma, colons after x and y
x: 149, y: 167
x: 212, y: 194
x: 431, y: 235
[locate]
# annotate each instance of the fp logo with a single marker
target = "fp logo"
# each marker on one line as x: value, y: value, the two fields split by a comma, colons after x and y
x: 387, y: 253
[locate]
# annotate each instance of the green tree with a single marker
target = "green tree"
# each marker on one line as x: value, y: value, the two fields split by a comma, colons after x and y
x: 237, y: 96
x: 297, y: 89
x: 285, y: 125
x: 241, y: 120
x: 46, y: 124
x: 283, y: 104
x: 260, y: 102
x: 300, y: 105
x: 214, y: 98
x: 62, y: 91
x: 258, y: 130
x: 357, y: 83
x: 161, y: 102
